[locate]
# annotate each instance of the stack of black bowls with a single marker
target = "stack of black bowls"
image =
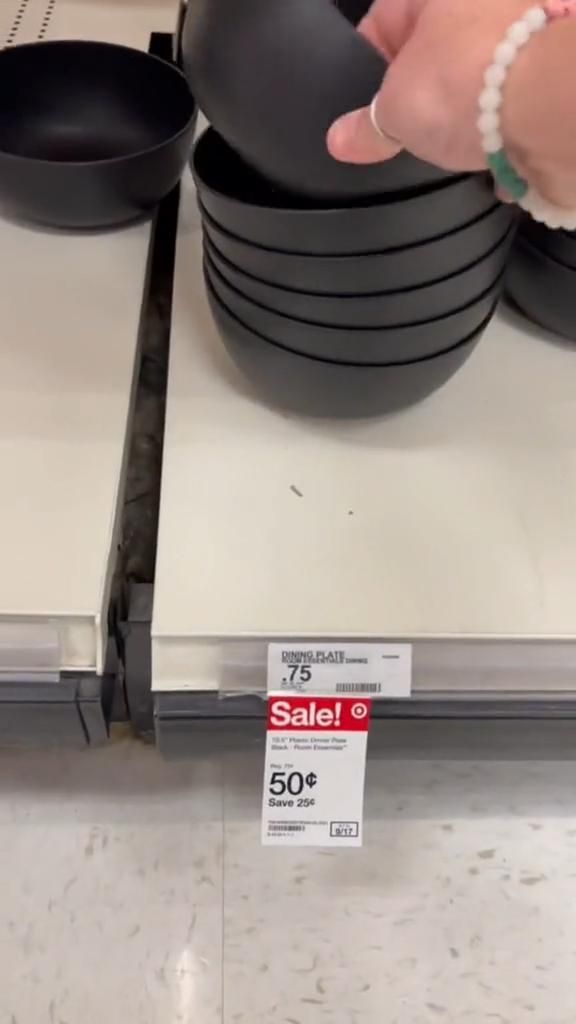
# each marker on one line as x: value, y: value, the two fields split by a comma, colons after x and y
x: 338, y: 289
x: 541, y: 277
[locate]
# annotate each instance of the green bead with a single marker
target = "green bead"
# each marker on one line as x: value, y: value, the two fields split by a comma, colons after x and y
x: 505, y: 175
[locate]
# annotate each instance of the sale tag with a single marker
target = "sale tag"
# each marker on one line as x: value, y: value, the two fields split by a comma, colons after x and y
x: 314, y: 773
x: 354, y: 669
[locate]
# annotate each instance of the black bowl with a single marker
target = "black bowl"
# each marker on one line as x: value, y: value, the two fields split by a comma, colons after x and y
x: 560, y: 245
x: 272, y: 76
x: 315, y: 387
x: 380, y: 310
x: 366, y: 273
x: 91, y: 134
x: 355, y: 345
x: 242, y: 202
x: 543, y: 289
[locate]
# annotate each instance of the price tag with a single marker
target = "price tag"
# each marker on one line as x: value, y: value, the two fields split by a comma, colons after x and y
x: 314, y: 772
x: 354, y: 669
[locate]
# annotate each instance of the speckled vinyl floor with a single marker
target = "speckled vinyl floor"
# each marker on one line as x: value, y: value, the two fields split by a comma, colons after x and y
x: 127, y: 898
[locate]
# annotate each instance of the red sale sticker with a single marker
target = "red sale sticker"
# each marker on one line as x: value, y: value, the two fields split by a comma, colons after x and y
x: 314, y: 772
x: 318, y: 713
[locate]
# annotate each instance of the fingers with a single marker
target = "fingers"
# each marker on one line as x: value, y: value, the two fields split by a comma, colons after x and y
x: 365, y: 136
x: 370, y: 136
x: 380, y: 27
x: 416, y: 110
x: 388, y: 25
x: 354, y: 139
x: 399, y: 114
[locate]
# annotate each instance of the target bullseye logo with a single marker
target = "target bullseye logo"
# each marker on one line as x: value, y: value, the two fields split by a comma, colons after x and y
x: 359, y: 711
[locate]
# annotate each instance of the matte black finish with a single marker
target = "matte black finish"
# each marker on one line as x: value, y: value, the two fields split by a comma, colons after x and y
x: 245, y: 204
x: 314, y: 387
x: 205, y: 706
x: 368, y: 273
x: 544, y: 289
x: 137, y: 657
x: 560, y: 245
x: 91, y: 134
x: 272, y: 76
x: 379, y: 310
x: 355, y: 345
x: 353, y: 10
x: 191, y: 723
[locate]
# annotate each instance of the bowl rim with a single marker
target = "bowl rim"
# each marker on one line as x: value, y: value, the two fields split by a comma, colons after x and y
x: 210, y: 245
x: 523, y: 243
x: 528, y: 224
x: 394, y: 250
x: 330, y: 329
x: 95, y: 44
x: 357, y: 366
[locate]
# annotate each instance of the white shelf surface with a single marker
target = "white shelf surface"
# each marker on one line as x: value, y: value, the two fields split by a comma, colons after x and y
x: 128, y: 22
x: 70, y: 306
x: 454, y: 520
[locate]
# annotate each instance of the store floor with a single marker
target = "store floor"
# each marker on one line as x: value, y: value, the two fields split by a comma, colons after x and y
x: 135, y: 892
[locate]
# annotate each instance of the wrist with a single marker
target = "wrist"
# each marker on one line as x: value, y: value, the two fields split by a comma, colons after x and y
x: 538, y: 112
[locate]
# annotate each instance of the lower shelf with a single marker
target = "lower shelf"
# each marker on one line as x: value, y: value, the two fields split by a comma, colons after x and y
x: 72, y: 713
x: 188, y: 724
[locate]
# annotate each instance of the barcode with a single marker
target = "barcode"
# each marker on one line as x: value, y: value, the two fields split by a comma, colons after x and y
x: 358, y: 687
x: 286, y: 828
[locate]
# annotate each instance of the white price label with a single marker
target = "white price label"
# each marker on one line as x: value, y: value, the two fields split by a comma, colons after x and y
x: 351, y: 669
x: 314, y: 771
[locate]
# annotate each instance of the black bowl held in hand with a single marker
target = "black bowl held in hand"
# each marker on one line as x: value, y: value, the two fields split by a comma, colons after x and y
x: 316, y: 387
x: 366, y: 273
x: 391, y: 344
x: 543, y: 289
x: 272, y: 76
x: 382, y: 309
x: 245, y: 204
x: 91, y: 134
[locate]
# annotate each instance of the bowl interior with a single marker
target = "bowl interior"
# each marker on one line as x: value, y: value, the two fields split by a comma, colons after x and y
x: 77, y: 102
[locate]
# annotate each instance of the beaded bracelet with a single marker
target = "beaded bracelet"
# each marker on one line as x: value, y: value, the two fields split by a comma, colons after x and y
x: 490, y: 104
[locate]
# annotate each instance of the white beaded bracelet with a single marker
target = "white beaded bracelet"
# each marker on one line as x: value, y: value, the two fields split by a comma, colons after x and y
x: 490, y: 103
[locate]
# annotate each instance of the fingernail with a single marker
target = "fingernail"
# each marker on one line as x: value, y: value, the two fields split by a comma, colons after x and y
x: 338, y: 137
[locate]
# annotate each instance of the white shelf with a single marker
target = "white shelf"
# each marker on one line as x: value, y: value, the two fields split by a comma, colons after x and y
x: 128, y: 22
x: 70, y: 306
x: 453, y: 521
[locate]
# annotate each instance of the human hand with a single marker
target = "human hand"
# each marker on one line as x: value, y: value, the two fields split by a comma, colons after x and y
x: 438, y: 51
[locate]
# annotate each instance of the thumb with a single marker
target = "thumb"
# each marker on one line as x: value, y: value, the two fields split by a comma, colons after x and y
x: 405, y: 116
x: 359, y: 138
